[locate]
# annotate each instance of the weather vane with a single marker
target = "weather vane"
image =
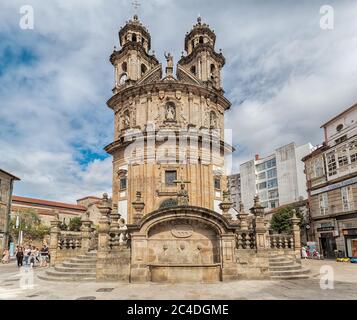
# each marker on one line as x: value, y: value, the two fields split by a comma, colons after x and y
x: 136, y: 4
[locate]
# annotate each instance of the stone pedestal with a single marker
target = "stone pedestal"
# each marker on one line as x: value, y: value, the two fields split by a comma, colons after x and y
x: 104, y: 223
x: 55, y: 232
x: 297, y: 237
x: 86, y: 233
x: 226, y: 205
x: 259, y: 225
x: 242, y: 216
x: 138, y: 205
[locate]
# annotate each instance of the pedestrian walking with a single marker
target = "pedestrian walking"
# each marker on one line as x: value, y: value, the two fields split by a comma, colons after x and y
x: 19, y: 256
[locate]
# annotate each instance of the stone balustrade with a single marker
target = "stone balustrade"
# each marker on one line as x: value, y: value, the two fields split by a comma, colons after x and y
x: 280, y: 241
x: 69, y: 241
x: 245, y: 240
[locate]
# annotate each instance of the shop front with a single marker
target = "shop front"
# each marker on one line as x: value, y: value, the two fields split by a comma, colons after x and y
x: 327, y: 242
x: 350, y: 236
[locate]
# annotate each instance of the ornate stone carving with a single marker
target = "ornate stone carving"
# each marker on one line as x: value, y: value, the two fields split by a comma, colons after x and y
x: 182, y: 231
x: 170, y: 112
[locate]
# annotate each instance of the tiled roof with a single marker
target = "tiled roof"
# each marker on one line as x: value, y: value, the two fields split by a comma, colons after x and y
x: 9, y: 174
x: 48, y: 203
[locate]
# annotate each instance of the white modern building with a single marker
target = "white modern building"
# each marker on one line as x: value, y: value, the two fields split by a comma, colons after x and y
x: 278, y: 179
x: 234, y: 189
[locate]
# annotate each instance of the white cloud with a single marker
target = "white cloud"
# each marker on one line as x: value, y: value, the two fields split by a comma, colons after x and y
x: 284, y: 75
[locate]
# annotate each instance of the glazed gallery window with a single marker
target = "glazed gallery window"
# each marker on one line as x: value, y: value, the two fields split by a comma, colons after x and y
x: 315, y: 168
x: 342, y: 156
x: 170, y: 177
x: 323, y: 202
x: 352, y: 148
x: 260, y: 167
x: 331, y: 163
x: 347, y: 198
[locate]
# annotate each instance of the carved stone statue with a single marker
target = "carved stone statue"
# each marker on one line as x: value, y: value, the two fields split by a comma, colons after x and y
x: 182, y: 196
x: 126, y: 119
x: 170, y: 60
x: 170, y: 112
x: 170, y: 64
x: 213, y: 119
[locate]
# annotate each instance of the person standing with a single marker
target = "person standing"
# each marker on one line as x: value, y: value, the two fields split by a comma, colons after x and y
x: 37, y: 255
x: 19, y: 256
x: 27, y: 254
x: 303, y: 253
x: 6, y: 256
x: 44, y: 256
x: 32, y: 256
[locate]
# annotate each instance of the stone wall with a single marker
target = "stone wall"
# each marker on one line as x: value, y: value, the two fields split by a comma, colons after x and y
x: 114, y: 265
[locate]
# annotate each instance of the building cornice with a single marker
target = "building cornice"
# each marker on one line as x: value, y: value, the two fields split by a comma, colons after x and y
x: 154, y: 87
x: 132, y: 46
x: 202, y: 47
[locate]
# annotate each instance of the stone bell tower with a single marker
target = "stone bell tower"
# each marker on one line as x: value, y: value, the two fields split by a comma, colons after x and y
x: 202, y: 61
x: 133, y: 61
x: 164, y: 124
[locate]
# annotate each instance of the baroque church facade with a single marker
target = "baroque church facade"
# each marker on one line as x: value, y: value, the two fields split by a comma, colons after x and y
x: 169, y: 219
x: 175, y: 122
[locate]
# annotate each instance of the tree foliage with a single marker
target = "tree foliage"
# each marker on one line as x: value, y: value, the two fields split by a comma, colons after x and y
x: 281, y: 220
x: 30, y: 224
x: 75, y: 224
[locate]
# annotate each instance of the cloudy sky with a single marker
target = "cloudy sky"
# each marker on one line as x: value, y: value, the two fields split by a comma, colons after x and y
x: 284, y: 75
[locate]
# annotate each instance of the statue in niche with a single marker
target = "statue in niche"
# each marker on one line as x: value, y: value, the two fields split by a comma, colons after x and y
x: 170, y: 114
x: 213, y: 119
x: 126, y: 119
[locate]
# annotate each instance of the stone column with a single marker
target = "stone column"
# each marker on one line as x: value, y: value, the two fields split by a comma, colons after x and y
x: 55, y: 233
x: 86, y: 232
x: 138, y: 205
x: 242, y: 216
x: 114, y: 227
x: 225, y: 205
x: 296, y: 234
x: 104, y: 222
x: 259, y: 224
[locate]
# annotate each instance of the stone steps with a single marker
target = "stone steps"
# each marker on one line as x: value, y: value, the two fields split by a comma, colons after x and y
x: 80, y: 268
x: 66, y: 279
x: 296, y: 272
x: 294, y: 277
x: 78, y: 265
x: 73, y: 269
x: 284, y: 268
x: 83, y: 261
x: 282, y: 263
